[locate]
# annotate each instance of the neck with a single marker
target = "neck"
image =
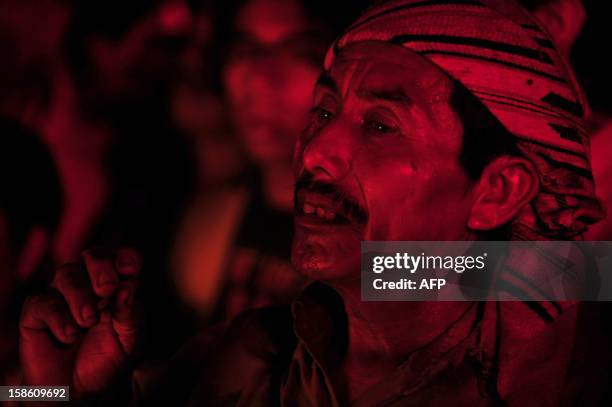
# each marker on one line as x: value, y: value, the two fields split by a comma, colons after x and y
x: 383, y: 334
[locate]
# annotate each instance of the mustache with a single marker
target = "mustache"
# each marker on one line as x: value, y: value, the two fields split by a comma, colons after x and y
x: 349, y: 204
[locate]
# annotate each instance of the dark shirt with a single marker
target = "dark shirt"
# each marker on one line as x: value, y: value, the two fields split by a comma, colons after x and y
x: 279, y: 356
x: 498, y: 353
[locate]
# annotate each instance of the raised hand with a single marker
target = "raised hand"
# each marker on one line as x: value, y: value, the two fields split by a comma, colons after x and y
x: 82, y: 332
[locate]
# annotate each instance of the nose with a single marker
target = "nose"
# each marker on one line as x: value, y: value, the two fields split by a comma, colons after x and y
x: 256, y: 92
x: 261, y: 85
x: 327, y: 154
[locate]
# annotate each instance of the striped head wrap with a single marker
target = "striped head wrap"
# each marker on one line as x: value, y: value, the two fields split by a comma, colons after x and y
x: 508, y: 61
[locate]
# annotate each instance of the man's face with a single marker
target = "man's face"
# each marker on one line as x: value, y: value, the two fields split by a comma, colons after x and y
x: 269, y: 77
x: 379, y: 160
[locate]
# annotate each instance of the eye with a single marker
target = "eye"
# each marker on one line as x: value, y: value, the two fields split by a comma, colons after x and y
x: 379, y: 128
x: 321, y: 114
x: 319, y: 117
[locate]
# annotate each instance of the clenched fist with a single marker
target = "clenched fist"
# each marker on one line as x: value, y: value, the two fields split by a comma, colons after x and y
x: 82, y: 332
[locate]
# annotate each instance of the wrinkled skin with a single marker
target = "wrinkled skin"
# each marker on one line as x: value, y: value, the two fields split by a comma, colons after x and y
x: 389, y: 141
x: 379, y: 160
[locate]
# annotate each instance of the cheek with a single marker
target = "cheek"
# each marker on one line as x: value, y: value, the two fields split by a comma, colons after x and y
x: 416, y: 202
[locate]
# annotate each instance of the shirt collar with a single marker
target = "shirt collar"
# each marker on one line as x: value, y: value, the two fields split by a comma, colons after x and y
x: 320, y: 324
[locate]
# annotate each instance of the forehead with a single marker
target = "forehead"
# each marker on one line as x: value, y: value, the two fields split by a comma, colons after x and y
x: 376, y: 73
x: 380, y: 66
x: 271, y: 21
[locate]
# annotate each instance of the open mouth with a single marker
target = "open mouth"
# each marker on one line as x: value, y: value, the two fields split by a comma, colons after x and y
x: 317, y: 208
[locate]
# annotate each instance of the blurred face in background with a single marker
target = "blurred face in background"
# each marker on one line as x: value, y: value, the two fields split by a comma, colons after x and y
x: 143, y: 58
x: 30, y: 37
x: 269, y: 77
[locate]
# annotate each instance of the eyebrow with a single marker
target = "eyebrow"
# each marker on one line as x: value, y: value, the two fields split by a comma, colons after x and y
x: 396, y: 95
x: 327, y: 81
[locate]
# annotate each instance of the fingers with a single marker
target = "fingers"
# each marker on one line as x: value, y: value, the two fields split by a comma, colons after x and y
x: 75, y: 286
x: 128, y: 262
x: 97, y: 294
x: 102, y: 273
x: 124, y: 317
x: 106, y: 272
x: 45, y: 323
x: 124, y: 301
x: 48, y: 312
x: 91, y: 288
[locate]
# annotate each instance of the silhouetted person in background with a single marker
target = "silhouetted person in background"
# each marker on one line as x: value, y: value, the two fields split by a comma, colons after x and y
x: 126, y: 172
x: 30, y: 207
x: 30, y: 34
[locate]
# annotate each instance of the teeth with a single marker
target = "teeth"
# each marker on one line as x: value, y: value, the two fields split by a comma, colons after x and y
x: 319, y: 211
x: 325, y: 214
x: 308, y: 208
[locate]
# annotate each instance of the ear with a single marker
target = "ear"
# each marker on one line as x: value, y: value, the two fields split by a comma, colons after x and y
x: 32, y: 253
x: 507, y: 184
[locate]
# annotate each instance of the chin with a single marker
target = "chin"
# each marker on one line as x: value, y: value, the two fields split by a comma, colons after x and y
x: 316, y: 262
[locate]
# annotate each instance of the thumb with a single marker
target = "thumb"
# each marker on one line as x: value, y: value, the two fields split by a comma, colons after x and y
x: 125, y: 319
